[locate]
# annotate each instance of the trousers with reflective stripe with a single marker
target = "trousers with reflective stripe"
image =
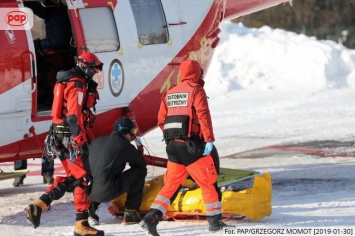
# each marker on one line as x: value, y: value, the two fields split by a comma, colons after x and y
x: 205, y: 175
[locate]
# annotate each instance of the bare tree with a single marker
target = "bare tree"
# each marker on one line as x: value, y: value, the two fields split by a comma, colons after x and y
x: 324, y: 19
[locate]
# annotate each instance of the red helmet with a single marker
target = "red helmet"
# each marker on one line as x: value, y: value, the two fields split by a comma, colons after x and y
x: 88, y: 58
x: 89, y: 63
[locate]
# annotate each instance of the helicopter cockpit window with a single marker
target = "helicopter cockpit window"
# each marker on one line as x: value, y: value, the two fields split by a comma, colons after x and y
x: 150, y: 21
x: 99, y: 28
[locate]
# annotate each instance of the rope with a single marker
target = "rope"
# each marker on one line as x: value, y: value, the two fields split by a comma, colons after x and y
x: 146, y: 147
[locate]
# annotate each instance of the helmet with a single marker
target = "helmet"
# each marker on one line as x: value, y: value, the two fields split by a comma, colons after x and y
x: 89, y: 63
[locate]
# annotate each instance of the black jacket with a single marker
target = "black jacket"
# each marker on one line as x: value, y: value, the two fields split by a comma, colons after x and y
x: 108, y: 156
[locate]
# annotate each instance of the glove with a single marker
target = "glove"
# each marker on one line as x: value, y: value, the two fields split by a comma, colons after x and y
x: 79, y: 140
x: 208, y: 148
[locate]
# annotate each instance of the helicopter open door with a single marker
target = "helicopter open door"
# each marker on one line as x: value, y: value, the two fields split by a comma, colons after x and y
x: 50, y: 40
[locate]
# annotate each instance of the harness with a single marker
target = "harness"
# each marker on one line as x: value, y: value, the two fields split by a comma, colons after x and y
x: 54, y: 147
x: 59, y: 137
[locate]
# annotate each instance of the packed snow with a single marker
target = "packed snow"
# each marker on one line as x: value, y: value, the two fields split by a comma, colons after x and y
x: 275, y: 97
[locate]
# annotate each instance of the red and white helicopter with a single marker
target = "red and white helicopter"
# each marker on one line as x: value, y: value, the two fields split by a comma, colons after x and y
x: 140, y: 42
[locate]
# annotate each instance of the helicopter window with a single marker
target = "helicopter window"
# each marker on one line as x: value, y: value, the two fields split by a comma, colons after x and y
x: 150, y: 21
x: 100, y: 32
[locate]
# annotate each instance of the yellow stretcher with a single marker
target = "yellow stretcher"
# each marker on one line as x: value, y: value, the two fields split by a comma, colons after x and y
x: 253, y: 203
x: 12, y: 174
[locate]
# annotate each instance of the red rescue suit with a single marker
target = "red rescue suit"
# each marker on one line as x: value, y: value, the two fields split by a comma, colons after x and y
x: 70, y: 118
x: 184, y: 117
x: 70, y: 106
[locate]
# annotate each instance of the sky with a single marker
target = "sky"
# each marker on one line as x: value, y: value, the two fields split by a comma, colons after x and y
x: 281, y: 103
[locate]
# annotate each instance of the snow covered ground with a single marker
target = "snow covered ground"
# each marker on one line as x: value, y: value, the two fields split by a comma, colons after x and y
x: 281, y: 103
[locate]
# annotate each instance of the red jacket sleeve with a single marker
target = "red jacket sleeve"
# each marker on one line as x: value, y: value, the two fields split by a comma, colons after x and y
x: 203, y: 114
x: 163, y: 111
x: 75, y: 95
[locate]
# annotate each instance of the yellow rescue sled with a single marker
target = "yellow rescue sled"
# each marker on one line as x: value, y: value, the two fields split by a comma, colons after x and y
x: 252, y: 202
x: 12, y: 174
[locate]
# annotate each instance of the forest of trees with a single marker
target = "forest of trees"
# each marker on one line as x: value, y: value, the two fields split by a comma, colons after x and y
x: 324, y: 19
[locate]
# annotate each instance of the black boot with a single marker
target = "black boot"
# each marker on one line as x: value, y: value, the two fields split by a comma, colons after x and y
x: 48, y: 178
x: 216, y: 223
x: 131, y: 217
x: 92, y: 213
x: 18, y: 181
x: 151, y: 220
x: 34, y: 212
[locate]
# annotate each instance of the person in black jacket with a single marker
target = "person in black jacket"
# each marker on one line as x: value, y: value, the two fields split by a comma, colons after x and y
x: 108, y: 156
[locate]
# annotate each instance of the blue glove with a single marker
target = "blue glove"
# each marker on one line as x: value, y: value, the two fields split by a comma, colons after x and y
x: 208, y: 148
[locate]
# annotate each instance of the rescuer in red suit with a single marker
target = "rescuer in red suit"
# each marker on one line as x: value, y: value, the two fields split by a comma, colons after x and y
x: 74, y: 95
x: 185, y: 119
